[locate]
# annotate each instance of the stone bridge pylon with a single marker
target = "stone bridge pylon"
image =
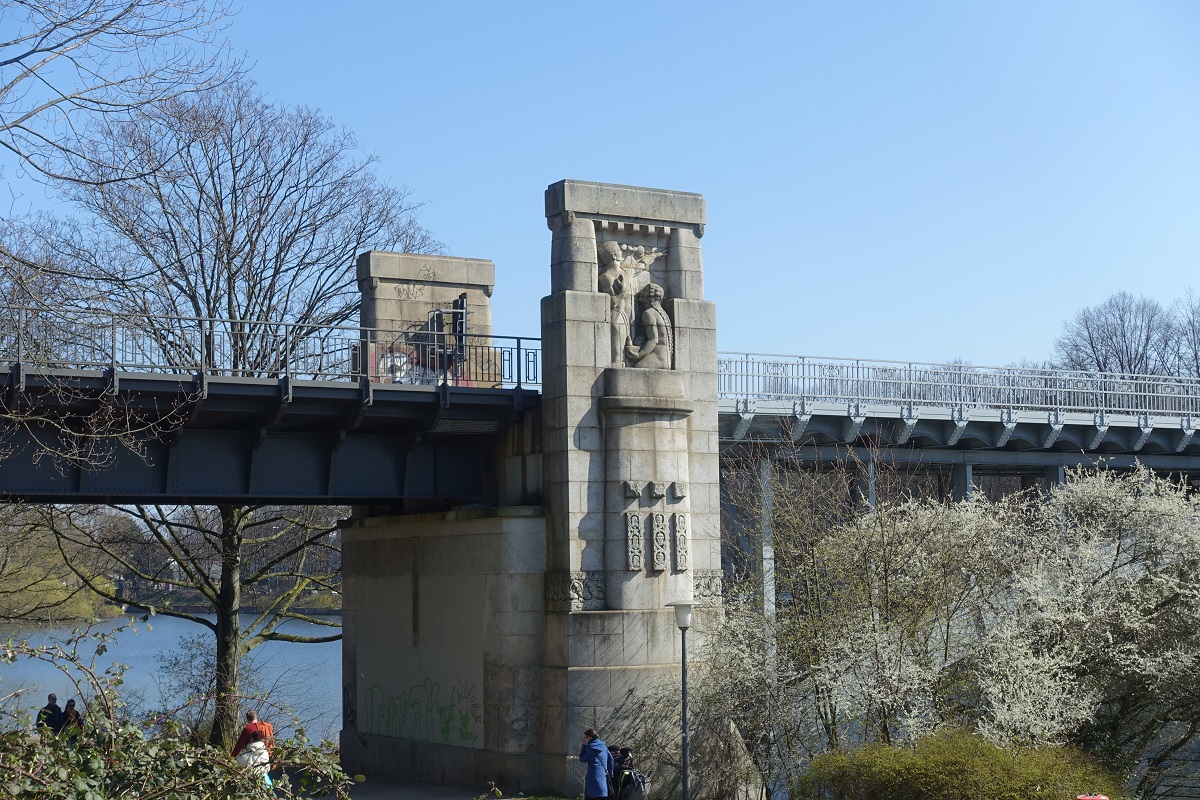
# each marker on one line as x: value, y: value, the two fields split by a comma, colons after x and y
x: 479, y: 642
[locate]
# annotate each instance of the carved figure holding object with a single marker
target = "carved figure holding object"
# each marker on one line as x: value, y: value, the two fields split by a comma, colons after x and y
x: 624, y: 271
x: 657, y: 345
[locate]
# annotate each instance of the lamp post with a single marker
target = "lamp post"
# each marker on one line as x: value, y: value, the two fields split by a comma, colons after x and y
x: 683, y: 619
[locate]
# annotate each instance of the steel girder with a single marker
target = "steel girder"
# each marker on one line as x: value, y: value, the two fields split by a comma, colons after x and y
x: 255, y: 440
x: 951, y: 435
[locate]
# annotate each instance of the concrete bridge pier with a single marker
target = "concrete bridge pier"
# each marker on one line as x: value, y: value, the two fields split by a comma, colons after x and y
x: 962, y: 481
x: 481, y: 641
x: 630, y: 448
x: 865, y: 485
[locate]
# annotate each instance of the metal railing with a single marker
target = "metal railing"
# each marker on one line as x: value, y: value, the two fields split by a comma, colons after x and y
x: 83, y: 339
x: 839, y: 380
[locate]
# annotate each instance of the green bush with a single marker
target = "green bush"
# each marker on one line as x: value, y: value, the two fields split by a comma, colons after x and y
x: 955, y: 765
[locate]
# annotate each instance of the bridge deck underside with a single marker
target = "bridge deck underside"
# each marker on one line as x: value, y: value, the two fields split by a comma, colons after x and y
x: 237, y: 440
x: 988, y: 437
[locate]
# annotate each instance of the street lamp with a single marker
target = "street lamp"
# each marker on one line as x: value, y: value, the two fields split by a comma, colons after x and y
x: 683, y: 619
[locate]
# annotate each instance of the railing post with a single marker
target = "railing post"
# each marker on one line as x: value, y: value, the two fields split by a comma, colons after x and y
x: 206, y: 345
x: 20, y: 335
x: 520, y: 364
x: 746, y: 376
x: 112, y: 353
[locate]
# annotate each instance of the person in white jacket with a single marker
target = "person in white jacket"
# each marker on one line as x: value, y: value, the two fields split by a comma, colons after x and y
x: 256, y: 758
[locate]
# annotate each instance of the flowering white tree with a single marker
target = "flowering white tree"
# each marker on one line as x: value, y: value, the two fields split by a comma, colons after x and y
x: 1036, y: 619
x: 1097, y: 640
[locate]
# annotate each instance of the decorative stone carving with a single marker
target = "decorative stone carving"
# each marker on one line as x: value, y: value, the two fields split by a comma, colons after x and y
x: 706, y: 586
x: 681, y: 543
x: 660, y: 542
x: 574, y: 591
x: 655, y: 345
x: 633, y: 489
x: 624, y: 271
x: 681, y: 489
x: 658, y: 490
x: 633, y: 541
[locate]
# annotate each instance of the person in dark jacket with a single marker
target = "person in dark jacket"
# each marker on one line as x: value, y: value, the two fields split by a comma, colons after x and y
x: 72, y: 722
x: 600, y: 765
x: 51, y: 716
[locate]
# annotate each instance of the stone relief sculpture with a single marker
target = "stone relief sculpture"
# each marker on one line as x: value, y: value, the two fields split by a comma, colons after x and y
x: 681, y: 542
x: 633, y: 541
x: 574, y: 591
x: 624, y: 272
x: 660, y: 542
x: 707, y: 584
x: 655, y: 344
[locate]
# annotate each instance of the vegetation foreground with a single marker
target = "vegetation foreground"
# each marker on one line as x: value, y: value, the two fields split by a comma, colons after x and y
x: 1030, y: 645
x: 116, y: 755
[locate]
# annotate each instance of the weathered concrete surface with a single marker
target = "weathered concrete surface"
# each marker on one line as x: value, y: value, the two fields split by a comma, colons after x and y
x: 443, y: 615
x: 480, y: 643
x: 630, y: 454
x: 399, y: 289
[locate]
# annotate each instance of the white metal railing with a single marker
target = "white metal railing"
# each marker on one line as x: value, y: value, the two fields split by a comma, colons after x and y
x: 85, y: 339
x: 767, y: 377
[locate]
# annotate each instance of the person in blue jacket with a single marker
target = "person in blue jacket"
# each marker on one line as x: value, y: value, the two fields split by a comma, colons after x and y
x: 600, y: 765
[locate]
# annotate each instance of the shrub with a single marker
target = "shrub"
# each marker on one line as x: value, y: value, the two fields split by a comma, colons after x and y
x: 956, y: 765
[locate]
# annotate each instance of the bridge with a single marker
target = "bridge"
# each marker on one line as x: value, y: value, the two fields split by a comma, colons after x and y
x: 1031, y: 422
x: 524, y: 509
x: 327, y: 414
x: 352, y: 415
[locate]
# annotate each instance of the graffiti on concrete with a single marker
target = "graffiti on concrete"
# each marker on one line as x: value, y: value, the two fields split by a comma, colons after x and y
x: 423, y: 712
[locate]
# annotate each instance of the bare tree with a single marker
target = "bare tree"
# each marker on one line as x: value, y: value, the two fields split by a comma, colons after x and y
x: 1124, y: 334
x: 237, y: 210
x: 63, y: 61
x: 174, y: 559
x: 243, y: 210
x: 1186, y: 311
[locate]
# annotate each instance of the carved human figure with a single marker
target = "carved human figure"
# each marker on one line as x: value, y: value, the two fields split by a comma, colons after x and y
x: 655, y: 343
x: 624, y: 271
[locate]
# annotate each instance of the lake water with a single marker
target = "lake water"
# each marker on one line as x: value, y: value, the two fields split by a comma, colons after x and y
x: 304, y: 677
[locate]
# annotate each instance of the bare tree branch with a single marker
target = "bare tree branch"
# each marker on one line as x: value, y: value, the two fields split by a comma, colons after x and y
x: 63, y: 62
x: 224, y: 206
x: 1124, y: 334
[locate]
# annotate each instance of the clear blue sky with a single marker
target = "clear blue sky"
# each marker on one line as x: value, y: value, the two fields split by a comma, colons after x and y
x: 906, y: 180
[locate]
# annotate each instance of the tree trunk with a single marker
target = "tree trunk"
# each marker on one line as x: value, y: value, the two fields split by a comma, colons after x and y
x: 229, y: 632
